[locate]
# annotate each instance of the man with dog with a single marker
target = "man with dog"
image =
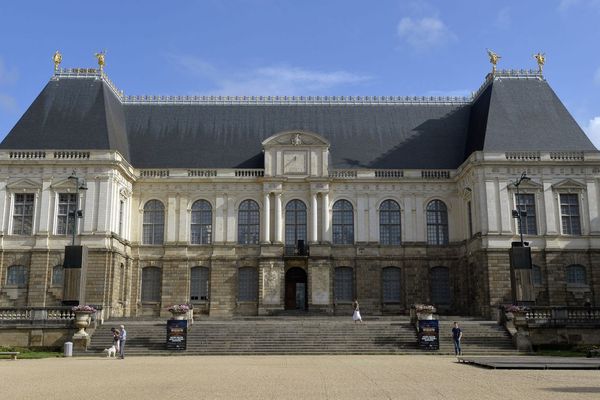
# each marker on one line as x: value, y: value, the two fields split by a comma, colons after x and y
x: 122, y: 339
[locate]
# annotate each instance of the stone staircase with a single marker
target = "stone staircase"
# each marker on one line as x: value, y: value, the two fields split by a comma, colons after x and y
x: 479, y: 338
x: 296, y: 336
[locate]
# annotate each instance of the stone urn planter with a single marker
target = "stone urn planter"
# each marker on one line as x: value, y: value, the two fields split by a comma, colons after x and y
x: 179, y: 311
x: 178, y: 316
x: 83, y: 314
x: 423, y: 311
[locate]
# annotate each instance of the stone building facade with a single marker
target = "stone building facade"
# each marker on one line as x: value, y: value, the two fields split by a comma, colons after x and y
x: 254, y: 206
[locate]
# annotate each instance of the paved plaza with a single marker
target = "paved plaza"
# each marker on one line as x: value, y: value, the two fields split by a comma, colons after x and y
x: 285, y: 377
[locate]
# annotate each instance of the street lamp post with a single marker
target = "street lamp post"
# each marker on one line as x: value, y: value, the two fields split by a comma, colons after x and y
x: 518, y: 214
x: 77, y: 213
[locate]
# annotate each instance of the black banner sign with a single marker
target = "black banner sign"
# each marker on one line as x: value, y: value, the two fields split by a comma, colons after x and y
x: 176, y: 334
x: 429, y: 334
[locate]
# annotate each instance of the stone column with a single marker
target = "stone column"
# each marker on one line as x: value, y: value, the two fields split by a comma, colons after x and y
x: 314, y: 215
x: 266, y: 219
x: 278, y: 219
x: 326, y: 236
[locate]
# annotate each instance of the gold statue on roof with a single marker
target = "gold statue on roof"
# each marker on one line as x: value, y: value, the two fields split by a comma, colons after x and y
x: 101, y: 59
x: 57, y: 58
x: 541, y: 60
x: 494, y: 58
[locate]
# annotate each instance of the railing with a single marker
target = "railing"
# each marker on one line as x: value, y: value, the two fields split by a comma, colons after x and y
x: 28, y: 155
x: 523, y: 155
x: 566, y: 155
x: 435, y: 174
x: 553, y: 316
x: 249, y: 172
x: 154, y: 173
x: 72, y: 155
x: 389, y: 173
x: 202, y: 173
x: 36, y: 314
x: 343, y: 174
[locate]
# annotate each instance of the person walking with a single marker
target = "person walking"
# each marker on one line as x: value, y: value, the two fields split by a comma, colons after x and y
x: 122, y: 339
x: 356, y: 315
x: 456, y: 337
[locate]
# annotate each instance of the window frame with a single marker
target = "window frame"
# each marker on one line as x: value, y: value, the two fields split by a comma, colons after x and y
x: 340, y: 290
x: 391, y: 299
x: 387, y: 225
x: 569, y: 273
x: 570, y: 217
x: 247, y: 290
x: 346, y: 236
x: 56, y: 268
x: 202, y: 270
x: 205, y: 230
x: 152, y: 224
x: 448, y: 288
x: 526, y: 207
x: 156, y: 297
x: 248, y: 233
x: 23, y: 216
x: 441, y: 229
x: 12, y: 279
x: 298, y: 222
x: 71, y: 207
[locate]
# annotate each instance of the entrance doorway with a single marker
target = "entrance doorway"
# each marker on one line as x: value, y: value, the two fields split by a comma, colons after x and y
x: 296, y: 297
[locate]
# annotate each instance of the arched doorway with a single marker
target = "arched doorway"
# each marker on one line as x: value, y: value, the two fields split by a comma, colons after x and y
x: 296, y: 293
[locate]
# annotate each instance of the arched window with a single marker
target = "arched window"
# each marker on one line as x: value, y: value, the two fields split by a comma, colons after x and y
x: 247, y: 284
x: 199, y: 284
x: 343, y: 222
x: 391, y: 283
x: 295, y: 223
x: 248, y: 222
x: 344, y: 284
x: 58, y: 275
x: 576, y: 275
x: 16, y: 276
x: 437, y: 223
x: 151, y: 284
x: 536, y: 275
x: 440, y: 286
x: 154, y: 222
x: 122, y: 282
x: 389, y: 223
x: 201, y: 230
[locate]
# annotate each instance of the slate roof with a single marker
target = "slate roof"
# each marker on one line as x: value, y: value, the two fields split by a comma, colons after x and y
x: 509, y: 114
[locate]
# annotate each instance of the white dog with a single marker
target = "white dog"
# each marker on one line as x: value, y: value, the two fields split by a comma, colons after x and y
x: 111, y: 350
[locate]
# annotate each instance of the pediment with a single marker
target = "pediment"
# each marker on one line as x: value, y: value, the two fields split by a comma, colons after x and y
x: 569, y: 184
x: 64, y: 184
x: 295, y: 138
x: 23, y: 184
x: 527, y: 185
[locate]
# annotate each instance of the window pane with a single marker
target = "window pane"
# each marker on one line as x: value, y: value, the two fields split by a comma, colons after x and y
x: 344, y: 285
x: 569, y: 209
x: 343, y: 222
x: 154, y: 219
x: 391, y: 285
x: 199, y: 283
x: 437, y: 223
x: 248, y: 222
x: 389, y: 223
x: 201, y: 228
x: 247, y: 284
x: 57, y: 275
x: 151, y: 284
x: 440, y: 286
x: 16, y: 276
x: 576, y: 275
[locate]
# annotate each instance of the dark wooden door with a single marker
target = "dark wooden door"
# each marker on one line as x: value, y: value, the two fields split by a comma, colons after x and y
x: 295, y: 279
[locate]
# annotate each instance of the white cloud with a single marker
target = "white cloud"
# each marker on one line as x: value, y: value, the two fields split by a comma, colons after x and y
x: 593, y: 131
x: 274, y: 80
x: 424, y: 33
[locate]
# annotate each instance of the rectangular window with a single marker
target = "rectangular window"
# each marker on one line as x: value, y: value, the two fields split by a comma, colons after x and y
x: 121, y: 211
x: 67, y: 205
x: 526, y: 202
x: 23, y: 214
x: 569, y: 212
x: 247, y: 284
x: 470, y: 216
x: 343, y: 284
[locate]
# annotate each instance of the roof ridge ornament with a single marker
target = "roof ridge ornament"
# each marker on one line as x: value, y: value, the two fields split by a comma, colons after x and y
x: 494, y: 58
x: 541, y: 60
x: 101, y: 59
x: 57, y: 58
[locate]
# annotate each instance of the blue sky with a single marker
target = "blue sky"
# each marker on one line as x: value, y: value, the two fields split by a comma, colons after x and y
x: 309, y: 47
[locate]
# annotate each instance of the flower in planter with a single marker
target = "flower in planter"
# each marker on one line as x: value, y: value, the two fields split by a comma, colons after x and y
x: 179, y: 308
x: 424, y: 308
x: 516, y: 309
x: 83, y: 308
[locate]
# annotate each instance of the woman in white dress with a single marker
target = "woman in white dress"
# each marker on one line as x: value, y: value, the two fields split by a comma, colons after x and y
x: 356, y: 316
